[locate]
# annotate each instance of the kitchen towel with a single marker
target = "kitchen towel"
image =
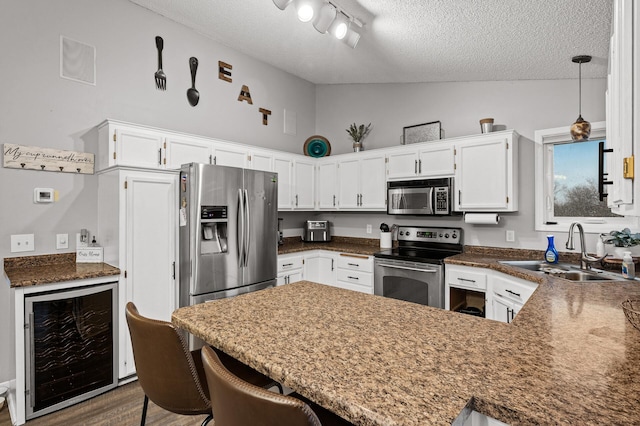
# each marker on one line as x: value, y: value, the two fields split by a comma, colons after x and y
x: 482, y: 218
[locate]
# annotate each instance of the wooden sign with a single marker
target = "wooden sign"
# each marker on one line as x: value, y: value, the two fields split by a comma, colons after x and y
x: 50, y: 160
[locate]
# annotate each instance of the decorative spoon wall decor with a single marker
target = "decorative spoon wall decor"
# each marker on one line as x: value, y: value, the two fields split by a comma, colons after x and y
x: 192, y: 94
x: 161, y: 78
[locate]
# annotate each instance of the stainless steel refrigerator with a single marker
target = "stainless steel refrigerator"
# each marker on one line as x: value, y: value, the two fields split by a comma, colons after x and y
x: 228, y: 237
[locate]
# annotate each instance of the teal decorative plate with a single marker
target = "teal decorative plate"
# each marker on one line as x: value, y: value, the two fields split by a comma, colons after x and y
x: 317, y: 146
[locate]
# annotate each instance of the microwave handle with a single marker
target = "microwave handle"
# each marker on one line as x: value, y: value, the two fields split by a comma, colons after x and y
x: 432, y: 197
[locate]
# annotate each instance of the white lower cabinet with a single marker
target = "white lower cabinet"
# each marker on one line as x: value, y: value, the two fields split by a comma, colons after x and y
x: 290, y: 267
x: 508, y: 295
x: 320, y: 266
x: 137, y: 227
x: 355, y: 272
x: 502, y: 295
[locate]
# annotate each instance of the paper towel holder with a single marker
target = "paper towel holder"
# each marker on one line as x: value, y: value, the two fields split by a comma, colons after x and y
x: 482, y: 218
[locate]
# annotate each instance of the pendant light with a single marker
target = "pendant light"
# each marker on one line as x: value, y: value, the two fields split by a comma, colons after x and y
x: 581, y: 129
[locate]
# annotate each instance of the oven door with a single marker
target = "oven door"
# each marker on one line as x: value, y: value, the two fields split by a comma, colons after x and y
x: 416, y: 282
x: 404, y: 200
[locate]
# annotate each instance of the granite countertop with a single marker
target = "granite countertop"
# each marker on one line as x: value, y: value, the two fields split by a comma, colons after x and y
x: 52, y: 268
x: 569, y: 357
x: 367, y: 246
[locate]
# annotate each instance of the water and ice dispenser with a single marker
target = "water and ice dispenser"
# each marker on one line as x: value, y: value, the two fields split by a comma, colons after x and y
x: 213, y: 223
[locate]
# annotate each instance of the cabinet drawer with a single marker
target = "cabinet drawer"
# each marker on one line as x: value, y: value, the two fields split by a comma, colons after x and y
x: 355, y: 277
x: 288, y: 263
x: 355, y: 262
x: 513, y: 290
x: 467, y: 279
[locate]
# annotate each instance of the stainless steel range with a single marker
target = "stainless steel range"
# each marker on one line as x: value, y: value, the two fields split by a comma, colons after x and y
x: 414, y: 271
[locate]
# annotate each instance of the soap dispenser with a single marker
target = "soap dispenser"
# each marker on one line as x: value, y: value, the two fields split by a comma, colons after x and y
x: 551, y: 255
x: 628, y: 267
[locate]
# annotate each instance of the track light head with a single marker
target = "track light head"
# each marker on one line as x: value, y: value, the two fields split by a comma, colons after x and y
x: 325, y: 18
x: 282, y: 4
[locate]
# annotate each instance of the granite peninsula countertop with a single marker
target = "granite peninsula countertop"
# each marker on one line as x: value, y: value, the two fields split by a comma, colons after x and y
x: 367, y: 246
x: 52, y: 268
x: 570, y: 356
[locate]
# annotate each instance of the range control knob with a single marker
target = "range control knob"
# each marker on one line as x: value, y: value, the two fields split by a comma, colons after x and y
x: 407, y: 233
x: 401, y: 233
x: 446, y: 235
x: 454, y: 236
x: 440, y: 235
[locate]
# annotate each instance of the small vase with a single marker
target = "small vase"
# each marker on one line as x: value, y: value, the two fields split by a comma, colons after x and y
x: 357, y: 146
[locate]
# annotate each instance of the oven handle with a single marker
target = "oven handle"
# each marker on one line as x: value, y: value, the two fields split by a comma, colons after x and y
x: 386, y: 265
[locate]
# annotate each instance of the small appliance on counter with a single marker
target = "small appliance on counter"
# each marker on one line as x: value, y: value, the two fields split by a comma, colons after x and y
x: 317, y: 231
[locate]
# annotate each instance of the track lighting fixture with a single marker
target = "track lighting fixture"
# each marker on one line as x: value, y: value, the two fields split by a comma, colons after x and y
x: 326, y: 16
x: 581, y: 129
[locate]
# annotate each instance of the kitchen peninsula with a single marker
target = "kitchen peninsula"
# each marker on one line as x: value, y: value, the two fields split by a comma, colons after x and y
x: 570, y: 357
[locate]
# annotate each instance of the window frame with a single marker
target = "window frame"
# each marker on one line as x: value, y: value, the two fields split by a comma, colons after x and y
x: 544, y: 183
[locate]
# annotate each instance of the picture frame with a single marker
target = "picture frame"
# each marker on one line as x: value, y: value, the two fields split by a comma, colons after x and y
x: 421, y: 132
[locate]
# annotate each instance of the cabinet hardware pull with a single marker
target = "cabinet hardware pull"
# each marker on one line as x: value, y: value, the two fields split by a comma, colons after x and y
x: 286, y: 265
x: 174, y: 270
x: 602, y: 176
x: 160, y: 156
x: 334, y: 201
x: 296, y: 200
x: 513, y: 292
x: 508, y: 312
x: 354, y: 264
x: 459, y: 196
x: 420, y: 166
x: 352, y: 278
x: 415, y: 167
x: 215, y: 160
x: 332, y: 264
x: 466, y: 279
x: 211, y: 159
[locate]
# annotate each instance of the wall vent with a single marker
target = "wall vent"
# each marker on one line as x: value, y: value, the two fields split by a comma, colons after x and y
x: 77, y: 61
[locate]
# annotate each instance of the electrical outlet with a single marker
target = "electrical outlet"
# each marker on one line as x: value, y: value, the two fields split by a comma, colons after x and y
x: 511, y: 236
x: 62, y: 241
x: 22, y: 242
x: 369, y: 228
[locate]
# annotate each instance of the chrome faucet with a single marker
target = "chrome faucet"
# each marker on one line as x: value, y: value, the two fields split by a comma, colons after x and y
x: 585, y: 259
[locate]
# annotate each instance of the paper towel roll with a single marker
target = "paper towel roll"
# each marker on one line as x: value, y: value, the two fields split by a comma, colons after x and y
x: 482, y: 218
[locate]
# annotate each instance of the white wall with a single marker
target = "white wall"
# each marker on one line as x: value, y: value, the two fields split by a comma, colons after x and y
x: 38, y: 108
x: 525, y: 106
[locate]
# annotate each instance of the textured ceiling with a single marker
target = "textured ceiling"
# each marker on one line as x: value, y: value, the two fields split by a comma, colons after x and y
x: 412, y: 40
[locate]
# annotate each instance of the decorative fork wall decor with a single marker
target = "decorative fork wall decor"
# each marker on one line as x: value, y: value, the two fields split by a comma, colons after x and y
x: 161, y: 78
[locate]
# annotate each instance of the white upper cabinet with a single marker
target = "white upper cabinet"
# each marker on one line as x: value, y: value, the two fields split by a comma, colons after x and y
x: 261, y: 160
x: 327, y: 184
x: 623, y: 119
x: 304, y: 173
x: 430, y: 160
x: 283, y: 165
x: 486, y: 173
x: 128, y: 145
x: 183, y: 150
x: 227, y: 154
x: 361, y: 182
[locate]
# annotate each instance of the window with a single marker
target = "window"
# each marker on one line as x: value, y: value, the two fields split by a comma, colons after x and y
x: 566, y: 183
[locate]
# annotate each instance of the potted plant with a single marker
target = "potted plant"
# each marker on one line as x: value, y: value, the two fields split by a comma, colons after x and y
x: 622, y: 241
x: 358, y: 133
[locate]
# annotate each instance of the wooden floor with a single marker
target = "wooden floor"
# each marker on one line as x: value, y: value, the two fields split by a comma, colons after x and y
x: 121, y: 406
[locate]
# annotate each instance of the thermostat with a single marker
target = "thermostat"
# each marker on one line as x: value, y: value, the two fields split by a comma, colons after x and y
x: 43, y: 195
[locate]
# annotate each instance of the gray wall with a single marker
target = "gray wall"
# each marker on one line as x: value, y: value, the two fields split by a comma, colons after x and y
x: 38, y: 108
x: 525, y: 106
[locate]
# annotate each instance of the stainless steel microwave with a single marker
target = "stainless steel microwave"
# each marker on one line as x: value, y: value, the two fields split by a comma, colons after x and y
x: 430, y: 197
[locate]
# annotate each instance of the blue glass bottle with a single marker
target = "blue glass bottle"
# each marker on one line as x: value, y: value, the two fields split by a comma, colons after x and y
x: 551, y: 255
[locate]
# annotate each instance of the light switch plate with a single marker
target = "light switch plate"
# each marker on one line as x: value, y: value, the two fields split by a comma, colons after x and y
x: 22, y: 242
x: 62, y: 241
x: 511, y: 236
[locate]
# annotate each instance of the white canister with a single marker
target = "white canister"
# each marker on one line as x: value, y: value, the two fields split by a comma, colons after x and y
x: 385, y: 240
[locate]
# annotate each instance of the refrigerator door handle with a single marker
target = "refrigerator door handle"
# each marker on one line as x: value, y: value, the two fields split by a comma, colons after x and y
x: 240, y: 229
x: 247, y: 228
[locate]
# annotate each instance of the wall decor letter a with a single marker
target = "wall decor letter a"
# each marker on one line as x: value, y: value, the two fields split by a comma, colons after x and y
x: 245, y: 95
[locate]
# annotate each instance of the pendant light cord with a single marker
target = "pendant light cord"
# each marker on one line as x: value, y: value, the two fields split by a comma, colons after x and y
x: 580, y: 89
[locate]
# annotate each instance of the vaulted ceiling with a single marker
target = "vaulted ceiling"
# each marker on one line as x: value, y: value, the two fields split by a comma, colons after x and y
x: 412, y: 40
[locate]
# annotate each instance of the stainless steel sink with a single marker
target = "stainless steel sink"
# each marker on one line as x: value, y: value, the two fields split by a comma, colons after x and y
x: 561, y: 270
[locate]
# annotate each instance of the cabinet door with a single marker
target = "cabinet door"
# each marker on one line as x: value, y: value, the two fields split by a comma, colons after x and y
x: 348, y: 184
x: 283, y: 166
x: 261, y: 161
x: 228, y: 155
x: 481, y: 175
x: 304, y: 184
x: 150, y: 247
x: 138, y: 147
x: 327, y: 179
x: 183, y: 150
x: 436, y: 161
x: 373, y: 186
x: 503, y: 310
x: 320, y: 267
x: 402, y: 164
